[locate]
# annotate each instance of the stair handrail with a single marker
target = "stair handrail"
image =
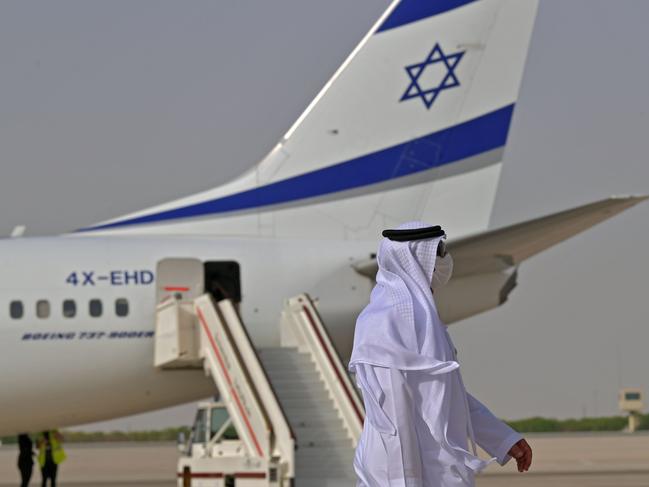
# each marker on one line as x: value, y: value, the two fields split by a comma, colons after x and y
x: 283, y: 438
x: 301, y: 326
x: 243, y: 386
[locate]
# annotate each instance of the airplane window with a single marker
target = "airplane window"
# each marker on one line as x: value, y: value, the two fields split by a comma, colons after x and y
x: 69, y: 308
x: 16, y: 309
x: 121, y: 307
x: 43, y: 308
x: 95, y: 308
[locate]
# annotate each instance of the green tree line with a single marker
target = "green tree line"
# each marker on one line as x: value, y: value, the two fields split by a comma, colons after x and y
x: 167, y: 434
x: 549, y: 425
x: 529, y: 425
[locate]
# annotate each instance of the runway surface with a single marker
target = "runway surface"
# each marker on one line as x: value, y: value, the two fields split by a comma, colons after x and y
x: 560, y: 460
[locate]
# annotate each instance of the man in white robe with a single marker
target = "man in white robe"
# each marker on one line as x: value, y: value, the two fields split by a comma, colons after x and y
x: 419, y: 417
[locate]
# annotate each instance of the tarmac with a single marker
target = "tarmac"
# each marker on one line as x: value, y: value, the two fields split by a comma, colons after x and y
x: 560, y: 460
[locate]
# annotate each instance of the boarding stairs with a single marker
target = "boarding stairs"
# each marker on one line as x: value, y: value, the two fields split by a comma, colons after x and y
x: 295, y: 410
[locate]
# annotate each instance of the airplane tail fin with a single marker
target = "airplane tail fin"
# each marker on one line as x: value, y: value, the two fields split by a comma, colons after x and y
x: 411, y: 126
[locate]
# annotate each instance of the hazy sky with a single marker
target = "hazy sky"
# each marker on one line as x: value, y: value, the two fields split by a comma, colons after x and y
x: 109, y: 107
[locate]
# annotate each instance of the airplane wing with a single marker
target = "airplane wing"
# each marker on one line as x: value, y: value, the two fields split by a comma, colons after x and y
x: 484, y: 271
x: 496, y: 250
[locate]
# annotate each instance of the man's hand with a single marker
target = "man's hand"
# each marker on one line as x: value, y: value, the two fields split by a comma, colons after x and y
x: 522, y: 452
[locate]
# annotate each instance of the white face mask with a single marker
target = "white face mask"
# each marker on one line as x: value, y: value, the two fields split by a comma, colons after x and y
x: 442, y: 272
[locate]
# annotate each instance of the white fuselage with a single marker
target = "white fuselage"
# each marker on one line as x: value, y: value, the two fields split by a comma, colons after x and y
x: 60, y: 370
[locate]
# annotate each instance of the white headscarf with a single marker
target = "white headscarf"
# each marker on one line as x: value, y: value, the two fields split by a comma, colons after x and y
x: 400, y: 327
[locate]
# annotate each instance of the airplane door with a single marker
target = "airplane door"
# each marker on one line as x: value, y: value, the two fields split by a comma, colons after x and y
x: 181, y: 278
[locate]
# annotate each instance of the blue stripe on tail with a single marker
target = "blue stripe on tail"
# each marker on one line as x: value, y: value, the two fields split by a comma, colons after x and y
x: 413, y: 10
x: 456, y: 143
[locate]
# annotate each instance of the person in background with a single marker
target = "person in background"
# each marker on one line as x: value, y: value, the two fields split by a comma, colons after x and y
x: 50, y: 455
x: 25, y: 459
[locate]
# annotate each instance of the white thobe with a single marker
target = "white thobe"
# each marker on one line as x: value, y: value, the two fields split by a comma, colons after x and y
x: 419, y: 416
x: 411, y: 438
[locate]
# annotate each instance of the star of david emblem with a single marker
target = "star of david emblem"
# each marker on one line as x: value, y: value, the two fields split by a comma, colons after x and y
x: 433, y: 75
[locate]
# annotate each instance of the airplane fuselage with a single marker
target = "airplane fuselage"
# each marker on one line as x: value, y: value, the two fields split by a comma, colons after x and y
x: 77, y: 317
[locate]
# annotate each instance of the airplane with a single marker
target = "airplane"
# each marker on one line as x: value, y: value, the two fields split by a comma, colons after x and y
x: 412, y: 126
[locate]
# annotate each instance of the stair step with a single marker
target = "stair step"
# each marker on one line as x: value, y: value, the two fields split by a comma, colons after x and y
x: 287, y: 357
x: 324, y: 453
x: 301, y: 381
x: 335, y: 453
x: 342, y: 471
x: 296, y: 356
x: 307, y: 432
x: 284, y: 384
x: 331, y: 470
x: 335, y: 472
x: 319, y: 482
x: 293, y: 374
x: 306, y: 415
x: 296, y: 365
x: 307, y: 401
x: 319, y: 443
x: 331, y: 423
x: 339, y: 474
x: 290, y: 370
x: 314, y: 391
